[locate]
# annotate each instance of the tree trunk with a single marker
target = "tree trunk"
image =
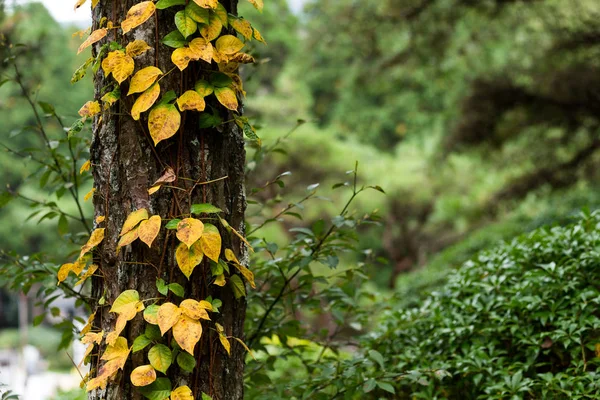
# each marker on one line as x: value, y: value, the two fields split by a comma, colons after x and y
x: 125, y: 163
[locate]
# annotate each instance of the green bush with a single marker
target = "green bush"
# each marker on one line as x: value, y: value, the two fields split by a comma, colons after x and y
x: 520, y: 321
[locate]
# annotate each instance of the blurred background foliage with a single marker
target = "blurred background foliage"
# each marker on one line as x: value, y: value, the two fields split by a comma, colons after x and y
x: 479, y: 118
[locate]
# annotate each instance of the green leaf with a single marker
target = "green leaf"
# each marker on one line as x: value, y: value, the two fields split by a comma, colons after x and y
x: 219, y: 79
x: 63, y: 225
x: 162, y: 4
x: 375, y: 355
x: 152, y: 332
x: 216, y: 269
x: 186, y: 25
x: 251, y: 134
x: 82, y: 70
x: 369, y: 385
x: 186, y: 361
x: 5, y: 198
x: 208, y: 120
x: 174, y: 39
x: 237, y: 286
x: 47, y: 108
x: 167, y: 97
x: 140, y: 343
x: 206, y: 397
x: 177, y: 289
x: 197, y: 13
x: 205, y: 208
x: 162, y: 287
x: 160, y: 358
x: 75, y: 128
x: 160, y: 389
x: 39, y: 319
x: 172, y: 224
x: 386, y: 386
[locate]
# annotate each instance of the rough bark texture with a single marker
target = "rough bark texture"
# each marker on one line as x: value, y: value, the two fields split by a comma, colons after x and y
x: 124, y: 166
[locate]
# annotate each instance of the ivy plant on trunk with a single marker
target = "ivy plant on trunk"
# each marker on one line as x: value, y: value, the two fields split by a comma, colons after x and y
x: 167, y: 256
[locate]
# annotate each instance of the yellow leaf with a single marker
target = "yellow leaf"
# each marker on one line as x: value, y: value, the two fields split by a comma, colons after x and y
x: 225, y: 343
x: 90, y: 109
x: 191, y: 100
x: 89, y: 194
x: 212, y: 30
x: 126, y: 313
x: 242, y: 26
x: 145, y: 101
x: 167, y: 316
x: 149, y: 229
x: 95, y: 3
x: 128, y: 238
x: 137, y: 15
x: 240, y: 341
x: 194, y: 309
x: 229, y: 44
x: 116, y: 356
x: 227, y: 97
x: 222, y: 14
x: 143, y: 79
x: 79, y: 4
x: 188, y: 258
x: 249, y: 275
x: 133, y: 219
x: 63, y: 272
x: 100, y: 219
x: 220, y: 280
x: 228, y: 68
x: 258, y: 36
x: 119, y: 64
x: 143, y: 375
x: 204, y: 88
x: 211, y: 242
x: 124, y: 300
x: 242, y: 58
x: 182, y: 393
x: 97, y: 35
x: 187, y: 333
x: 153, y: 189
x: 137, y: 48
x: 181, y: 57
x: 230, y: 256
x: 202, y: 49
x: 189, y: 230
x: 90, y: 271
x: 94, y: 240
x: 258, y: 4
x: 85, y: 167
x: 111, y: 98
x: 207, y: 3
x: 219, y: 58
x: 163, y: 122
x: 88, y: 325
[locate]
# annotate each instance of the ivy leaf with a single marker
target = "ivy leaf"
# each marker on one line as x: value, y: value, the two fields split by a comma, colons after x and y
x: 158, y: 390
x: 94, y: 37
x: 191, y: 100
x: 219, y: 79
x: 90, y: 109
x: 227, y: 97
x: 197, y: 13
x: 162, y: 4
x: 119, y: 64
x: 229, y: 44
x: 204, y: 88
x: 186, y: 362
x: 182, y: 393
x: 95, y: 238
x: 188, y: 258
x: 202, y: 49
x: 187, y: 333
x: 177, y: 289
x: 160, y: 357
x: 211, y: 242
x: 258, y: 4
x: 128, y: 238
x: 137, y: 15
x: 167, y: 316
x: 189, y: 230
x: 133, y: 219
x: 163, y: 122
x: 222, y: 14
x: 204, y: 208
x: 145, y: 101
x: 152, y: 332
x: 207, y: 3
x: 174, y: 39
x: 140, y: 342
x: 172, y: 224
x: 143, y: 375
x: 149, y: 229
x: 195, y: 309
x: 151, y: 313
x: 242, y: 26
x: 208, y: 120
x: 143, y: 79
x: 181, y: 57
x: 186, y: 25
x: 137, y: 48
x: 212, y: 30
x: 237, y: 286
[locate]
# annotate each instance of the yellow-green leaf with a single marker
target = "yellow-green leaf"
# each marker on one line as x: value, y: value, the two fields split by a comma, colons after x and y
x: 242, y: 26
x: 145, y: 101
x: 163, y: 122
x: 182, y: 393
x: 126, y: 298
x: 225, y: 343
x: 221, y: 12
x: 211, y: 242
x: 220, y: 280
x: 191, y: 100
x: 119, y: 64
x: 167, y: 316
x: 95, y: 238
x: 149, y: 229
x: 204, y: 88
x: 137, y: 15
x: 202, y: 49
x: 246, y: 273
x: 229, y: 44
x: 207, y: 3
x: 212, y: 30
x: 227, y: 97
x: 189, y: 230
x: 143, y: 79
x: 237, y: 286
x: 258, y: 4
x: 188, y: 258
x: 151, y: 314
x: 143, y: 375
x: 160, y: 357
x: 185, y: 24
x: 137, y: 48
x: 95, y: 36
x: 133, y: 219
x: 90, y: 109
x: 187, y: 333
x: 258, y: 36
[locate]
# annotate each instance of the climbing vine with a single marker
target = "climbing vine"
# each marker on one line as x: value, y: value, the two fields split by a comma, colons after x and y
x: 206, y: 33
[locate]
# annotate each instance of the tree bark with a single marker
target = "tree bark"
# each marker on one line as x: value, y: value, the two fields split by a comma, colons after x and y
x: 125, y: 164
